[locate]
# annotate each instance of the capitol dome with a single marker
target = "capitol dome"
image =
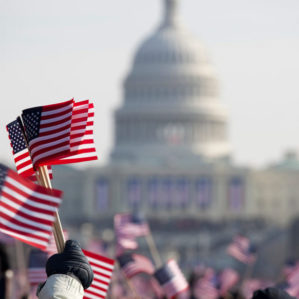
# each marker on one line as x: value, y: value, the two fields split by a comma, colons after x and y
x: 171, y: 109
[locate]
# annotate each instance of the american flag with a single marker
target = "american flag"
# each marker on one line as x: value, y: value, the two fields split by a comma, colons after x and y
x: 81, y: 141
x: 289, y: 267
x: 130, y: 225
x: 292, y: 276
x: 292, y: 279
x: 171, y: 279
x: 36, y: 270
x: 19, y: 148
x: 227, y: 278
x: 127, y: 228
x: 242, y: 250
x: 292, y: 289
x: 27, y: 210
x: 48, y: 131
x: 20, y: 151
x: 131, y: 264
x: 102, y: 269
x: 205, y: 287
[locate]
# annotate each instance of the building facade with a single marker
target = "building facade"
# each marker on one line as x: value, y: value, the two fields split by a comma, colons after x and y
x: 171, y: 158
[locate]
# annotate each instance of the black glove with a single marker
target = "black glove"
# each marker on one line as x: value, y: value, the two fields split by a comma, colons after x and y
x: 71, y: 262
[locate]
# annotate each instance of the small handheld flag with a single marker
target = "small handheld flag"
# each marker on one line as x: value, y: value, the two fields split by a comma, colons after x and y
x: 26, y: 210
x: 37, y: 267
x: 102, y: 268
x: 242, y: 250
x: 20, y: 151
x: 171, y: 279
x: 48, y: 131
x: 132, y: 264
x: 82, y: 143
x: 127, y: 229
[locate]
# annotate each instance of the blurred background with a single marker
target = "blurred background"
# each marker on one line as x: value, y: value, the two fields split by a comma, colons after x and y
x: 196, y: 121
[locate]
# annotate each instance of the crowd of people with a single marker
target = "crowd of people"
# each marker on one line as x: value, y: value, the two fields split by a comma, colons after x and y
x: 69, y: 273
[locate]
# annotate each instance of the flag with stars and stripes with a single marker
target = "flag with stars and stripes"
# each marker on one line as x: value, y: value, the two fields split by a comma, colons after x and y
x: 171, y: 279
x: 27, y: 210
x: 36, y: 270
x: 228, y: 278
x: 20, y: 151
x: 242, y: 250
x: 102, y: 268
x: 48, y: 130
x: 127, y: 228
x: 131, y: 264
x: 19, y: 148
x: 61, y: 133
x: 82, y: 142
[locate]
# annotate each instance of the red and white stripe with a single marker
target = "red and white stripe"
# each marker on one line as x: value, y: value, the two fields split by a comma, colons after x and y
x: 139, y: 264
x: 239, y: 249
x: 102, y: 268
x: 204, y: 288
x: 36, y: 275
x: 22, y: 158
x: 82, y: 143
x: 23, y: 163
x: 27, y: 210
x: 228, y: 278
x: 178, y: 283
x: 53, y: 141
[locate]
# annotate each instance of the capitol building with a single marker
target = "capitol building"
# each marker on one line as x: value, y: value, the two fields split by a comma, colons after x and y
x: 172, y: 154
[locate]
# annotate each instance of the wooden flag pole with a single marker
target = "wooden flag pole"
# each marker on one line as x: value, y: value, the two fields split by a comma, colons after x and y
x: 44, y: 180
x: 153, y: 249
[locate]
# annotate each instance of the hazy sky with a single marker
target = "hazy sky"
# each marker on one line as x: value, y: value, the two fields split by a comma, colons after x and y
x: 54, y: 50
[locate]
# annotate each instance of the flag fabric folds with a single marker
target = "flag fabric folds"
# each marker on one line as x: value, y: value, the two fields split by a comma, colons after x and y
x: 82, y: 143
x: 228, y: 278
x: 242, y: 250
x: 20, y: 151
x: 27, y: 210
x: 48, y: 131
x: 171, y: 279
x: 206, y: 287
x: 36, y: 270
x: 131, y: 264
x: 127, y: 228
x: 291, y: 273
x: 102, y: 269
x: 61, y: 133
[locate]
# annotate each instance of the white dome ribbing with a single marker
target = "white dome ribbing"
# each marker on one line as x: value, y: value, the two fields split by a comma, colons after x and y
x: 171, y: 108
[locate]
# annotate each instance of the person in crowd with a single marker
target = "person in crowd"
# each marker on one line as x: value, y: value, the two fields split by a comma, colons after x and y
x: 69, y: 274
x: 6, y: 274
x: 271, y: 293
